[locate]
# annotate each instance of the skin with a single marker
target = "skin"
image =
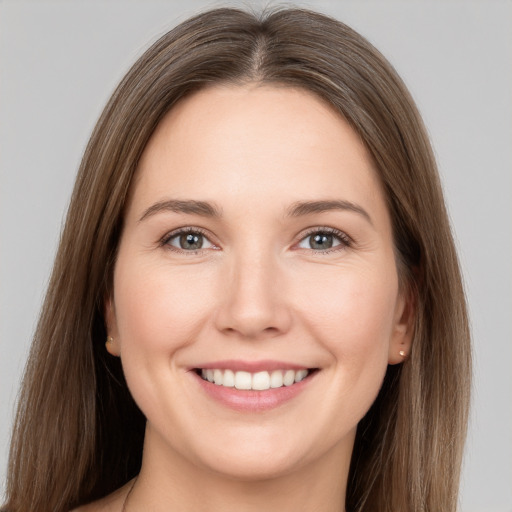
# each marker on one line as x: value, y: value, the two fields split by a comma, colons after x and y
x: 256, y: 290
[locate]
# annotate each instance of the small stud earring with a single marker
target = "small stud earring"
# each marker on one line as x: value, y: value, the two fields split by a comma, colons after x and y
x: 402, y: 353
x: 108, y: 344
x: 111, y: 347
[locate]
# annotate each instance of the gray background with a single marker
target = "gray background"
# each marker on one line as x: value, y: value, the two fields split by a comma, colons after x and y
x: 59, y: 61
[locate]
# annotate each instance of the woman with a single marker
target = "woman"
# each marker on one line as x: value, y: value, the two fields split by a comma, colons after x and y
x: 258, y: 233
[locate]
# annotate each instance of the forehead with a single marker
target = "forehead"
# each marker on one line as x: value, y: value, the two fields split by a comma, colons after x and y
x: 253, y: 144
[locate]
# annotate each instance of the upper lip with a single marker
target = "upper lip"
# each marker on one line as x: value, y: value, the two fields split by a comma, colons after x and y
x: 251, y: 366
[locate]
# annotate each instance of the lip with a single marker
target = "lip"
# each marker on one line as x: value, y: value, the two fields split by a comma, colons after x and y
x: 251, y: 400
x: 250, y: 366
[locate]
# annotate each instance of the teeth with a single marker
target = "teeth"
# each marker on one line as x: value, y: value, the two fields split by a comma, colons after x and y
x: 300, y: 375
x: 228, y: 380
x: 259, y: 381
x: 276, y: 379
x: 218, y: 377
x: 289, y: 378
x: 242, y: 380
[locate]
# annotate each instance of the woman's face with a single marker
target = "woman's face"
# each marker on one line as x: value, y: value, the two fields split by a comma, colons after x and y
x: 257, y: 251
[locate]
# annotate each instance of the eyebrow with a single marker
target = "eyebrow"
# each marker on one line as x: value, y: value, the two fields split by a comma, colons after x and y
x: 206, y: 209
x: 301, y: 208
x: 190, y: 206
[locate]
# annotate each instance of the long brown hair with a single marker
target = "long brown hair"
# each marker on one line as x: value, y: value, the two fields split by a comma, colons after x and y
x: 78, y: 434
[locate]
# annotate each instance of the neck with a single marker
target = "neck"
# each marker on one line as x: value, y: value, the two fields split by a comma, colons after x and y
x: 168, y: 481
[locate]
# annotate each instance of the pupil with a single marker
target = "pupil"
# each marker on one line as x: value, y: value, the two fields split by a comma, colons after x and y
x: 321, y: 241
x: 191, y: 241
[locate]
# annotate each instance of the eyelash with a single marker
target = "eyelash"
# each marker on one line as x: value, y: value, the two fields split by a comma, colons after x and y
x: 164, y: 241
x: 344, y: 239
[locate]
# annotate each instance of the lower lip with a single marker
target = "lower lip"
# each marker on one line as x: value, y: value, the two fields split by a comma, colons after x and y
x: 250, y: 400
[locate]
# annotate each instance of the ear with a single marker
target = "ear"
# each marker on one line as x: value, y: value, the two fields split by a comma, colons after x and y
x: 403, y: 327
x: 112, y: 343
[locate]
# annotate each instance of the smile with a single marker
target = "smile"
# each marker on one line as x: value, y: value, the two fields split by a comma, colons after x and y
x: 253, y: 386
x: 258, y: 381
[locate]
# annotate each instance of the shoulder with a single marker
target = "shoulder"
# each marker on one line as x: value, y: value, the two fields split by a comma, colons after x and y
x: 111, y: 503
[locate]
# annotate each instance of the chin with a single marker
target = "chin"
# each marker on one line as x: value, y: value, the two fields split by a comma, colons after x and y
x: 253, y: 469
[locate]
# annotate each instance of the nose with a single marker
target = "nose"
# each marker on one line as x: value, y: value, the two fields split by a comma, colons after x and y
x: 254, y: 300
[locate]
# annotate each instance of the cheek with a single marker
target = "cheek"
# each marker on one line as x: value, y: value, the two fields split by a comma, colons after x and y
x: 353, y: 303
x: 159, y: 312
x: 158, y: 307
x: 352, y: 316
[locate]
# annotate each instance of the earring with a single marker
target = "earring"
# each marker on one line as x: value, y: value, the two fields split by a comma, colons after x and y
x: 402, y: 353
x: 112, y: 347
x: 109, y: 342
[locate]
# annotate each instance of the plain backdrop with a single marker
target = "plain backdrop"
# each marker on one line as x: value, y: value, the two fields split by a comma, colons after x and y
x: 60, y: 60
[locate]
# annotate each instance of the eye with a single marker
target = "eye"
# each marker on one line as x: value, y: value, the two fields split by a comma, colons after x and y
x: 324, y: 240
x: 188, y: 240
